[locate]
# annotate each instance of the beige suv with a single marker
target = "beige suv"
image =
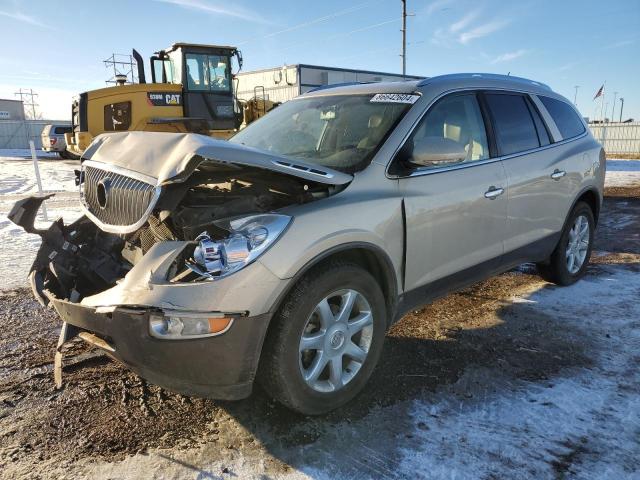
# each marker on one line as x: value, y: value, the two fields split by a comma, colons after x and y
x: 284, y: 254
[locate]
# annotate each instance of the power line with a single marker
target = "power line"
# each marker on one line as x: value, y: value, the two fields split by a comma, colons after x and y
x: 341, y: 35
x: 27, y: 97
x: 311, y: 22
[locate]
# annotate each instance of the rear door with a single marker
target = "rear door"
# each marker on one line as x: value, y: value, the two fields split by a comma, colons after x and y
x: 534, y: 195
x: 455, y: 213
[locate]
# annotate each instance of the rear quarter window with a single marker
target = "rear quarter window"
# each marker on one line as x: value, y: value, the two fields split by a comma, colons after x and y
x: 565, y: 117
x: 513, y: 123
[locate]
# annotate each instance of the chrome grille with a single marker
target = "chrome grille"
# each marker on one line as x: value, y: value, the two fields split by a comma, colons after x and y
x: 128, y: 200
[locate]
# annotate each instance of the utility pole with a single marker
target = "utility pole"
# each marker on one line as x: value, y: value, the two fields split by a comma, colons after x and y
x: 575, y: 96
x: 613, y: 111
x: 27, y: 97
x: 404, y: 37
x: 621, y: 107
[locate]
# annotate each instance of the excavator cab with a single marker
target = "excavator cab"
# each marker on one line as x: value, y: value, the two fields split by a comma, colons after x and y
x: 205, y: 73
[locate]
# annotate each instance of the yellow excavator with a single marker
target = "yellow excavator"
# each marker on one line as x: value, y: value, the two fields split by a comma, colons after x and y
x: 192, y: 89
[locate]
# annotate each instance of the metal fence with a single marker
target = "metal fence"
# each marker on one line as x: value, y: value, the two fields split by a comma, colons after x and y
x: 618, y: 138
x: 17, y: 133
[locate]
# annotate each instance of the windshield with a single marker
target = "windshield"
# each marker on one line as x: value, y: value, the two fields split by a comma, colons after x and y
x: 207, y: 72
x: 336, y: 131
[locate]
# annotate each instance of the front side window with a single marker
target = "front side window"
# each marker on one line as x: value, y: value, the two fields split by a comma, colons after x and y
x: 454, y: 124
x: 337, y: 131
x: 514, y: 126
x: 564, y: 116
x: 207, y: 73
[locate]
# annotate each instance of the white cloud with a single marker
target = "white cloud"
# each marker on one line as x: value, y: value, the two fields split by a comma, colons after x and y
x: 437, y: 5
x: 508, y: 56
x: 481, y: 31
x: 568, y: 66
x: 463, y: 22
x: 218, y: 9
x: 22, y: 17
x: 466, y: 29
x: 621, y: 43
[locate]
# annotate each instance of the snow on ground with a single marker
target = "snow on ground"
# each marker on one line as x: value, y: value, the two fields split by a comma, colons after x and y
x: 22, y: 153
x: 564, y: 420
x: 581, y: 422
x: 17, y: 180
x: 622, y: 172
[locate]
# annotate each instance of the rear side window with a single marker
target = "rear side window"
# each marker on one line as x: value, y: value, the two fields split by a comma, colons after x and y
x: 566, y: 118
x: 514, y: 127
x: 61, y: 130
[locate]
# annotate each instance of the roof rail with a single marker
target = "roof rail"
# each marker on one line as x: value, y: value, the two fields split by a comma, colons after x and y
x: 487, y: 76
x: 335, y: 85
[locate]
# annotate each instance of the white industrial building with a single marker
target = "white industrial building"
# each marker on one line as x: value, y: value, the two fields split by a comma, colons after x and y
x: 280, y: 84
x: 11, y: 109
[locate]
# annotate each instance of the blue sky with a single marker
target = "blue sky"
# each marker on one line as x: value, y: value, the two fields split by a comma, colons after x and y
x: 57, y: 47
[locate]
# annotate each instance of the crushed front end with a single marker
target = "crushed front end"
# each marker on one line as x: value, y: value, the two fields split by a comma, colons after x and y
x: 162, y: 271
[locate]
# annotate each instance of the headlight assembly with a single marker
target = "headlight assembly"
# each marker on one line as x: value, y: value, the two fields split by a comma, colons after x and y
x: 248, y: 238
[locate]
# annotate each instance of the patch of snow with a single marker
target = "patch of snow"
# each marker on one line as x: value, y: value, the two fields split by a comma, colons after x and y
x: 11, y: 154
x: 622, y: 173
x: 587, y: 421
x: 17, y: 180
x: 582, y: 422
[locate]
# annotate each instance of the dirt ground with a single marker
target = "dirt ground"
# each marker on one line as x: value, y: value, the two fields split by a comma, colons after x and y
x: 108, y: 417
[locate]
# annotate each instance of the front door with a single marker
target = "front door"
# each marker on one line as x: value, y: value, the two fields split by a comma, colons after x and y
x: 455, y: 210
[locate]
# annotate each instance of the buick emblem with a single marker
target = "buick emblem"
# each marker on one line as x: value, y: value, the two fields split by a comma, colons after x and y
x: 103, y: 189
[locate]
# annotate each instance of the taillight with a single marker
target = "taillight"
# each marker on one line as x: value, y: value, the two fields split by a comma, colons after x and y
x: 53, y: 141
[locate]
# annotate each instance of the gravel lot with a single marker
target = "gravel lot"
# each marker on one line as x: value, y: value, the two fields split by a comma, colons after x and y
x: 512, y: 378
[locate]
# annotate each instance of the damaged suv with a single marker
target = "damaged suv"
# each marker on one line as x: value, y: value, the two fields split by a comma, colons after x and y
x: 284, y: 254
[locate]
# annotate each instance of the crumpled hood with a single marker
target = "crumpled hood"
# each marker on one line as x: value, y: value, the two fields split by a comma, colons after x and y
x: 165, y: 156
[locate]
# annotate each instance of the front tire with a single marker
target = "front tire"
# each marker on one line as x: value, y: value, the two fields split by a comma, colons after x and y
x: 568, y: 262
x: 325, y: 340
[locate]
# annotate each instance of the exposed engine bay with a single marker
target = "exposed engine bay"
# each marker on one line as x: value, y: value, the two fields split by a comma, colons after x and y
x: 225, y: 211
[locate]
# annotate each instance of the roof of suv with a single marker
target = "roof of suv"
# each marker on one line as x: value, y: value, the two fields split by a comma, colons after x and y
x: 444, y: 82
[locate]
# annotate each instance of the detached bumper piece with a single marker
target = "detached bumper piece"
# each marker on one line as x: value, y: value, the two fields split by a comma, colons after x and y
x: 221, y: 367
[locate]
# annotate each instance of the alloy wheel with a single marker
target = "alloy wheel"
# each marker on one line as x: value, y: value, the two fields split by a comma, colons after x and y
x: 578, y: 244
x: 336, y: 340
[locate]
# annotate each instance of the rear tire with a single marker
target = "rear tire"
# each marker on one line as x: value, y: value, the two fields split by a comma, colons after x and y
x: 71, y: 156
x: 568, y: 262
x: 325, y: 340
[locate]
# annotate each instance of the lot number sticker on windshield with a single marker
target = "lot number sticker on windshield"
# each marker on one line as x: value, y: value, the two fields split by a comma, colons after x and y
x: 395, y: 98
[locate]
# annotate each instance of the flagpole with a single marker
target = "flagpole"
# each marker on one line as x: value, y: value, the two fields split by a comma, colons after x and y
x: 604, y: 90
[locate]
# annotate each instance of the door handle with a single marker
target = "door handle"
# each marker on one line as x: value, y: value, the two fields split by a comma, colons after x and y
x: 558, y: 174
x: 493, y: 193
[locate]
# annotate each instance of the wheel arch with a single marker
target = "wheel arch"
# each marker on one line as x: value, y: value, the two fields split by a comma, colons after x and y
x: 591, y: 197
x: 369, y: 256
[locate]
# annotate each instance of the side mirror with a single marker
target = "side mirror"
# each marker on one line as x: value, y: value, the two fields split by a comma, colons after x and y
x: 436, y: 152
